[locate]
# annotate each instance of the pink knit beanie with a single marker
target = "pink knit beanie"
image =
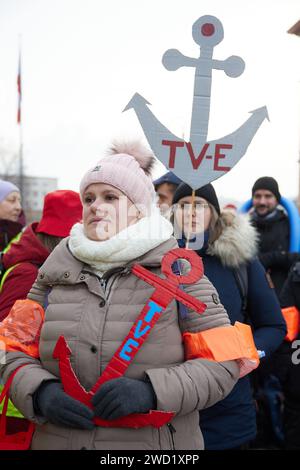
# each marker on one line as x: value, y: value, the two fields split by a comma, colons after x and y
x: 127, y: 167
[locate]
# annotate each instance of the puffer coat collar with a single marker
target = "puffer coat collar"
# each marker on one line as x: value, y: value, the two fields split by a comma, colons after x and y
x: 68, y: 270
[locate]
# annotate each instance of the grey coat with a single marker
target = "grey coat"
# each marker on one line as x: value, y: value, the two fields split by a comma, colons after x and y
x: 95, y: 316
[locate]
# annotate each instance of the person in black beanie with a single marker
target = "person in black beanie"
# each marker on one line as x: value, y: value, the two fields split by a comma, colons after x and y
x: 290, y: 374
x: 272, y: 223
x: 207, y: 192
x: 267, y: 183
x: 228, y: 251
x: 193, y: 230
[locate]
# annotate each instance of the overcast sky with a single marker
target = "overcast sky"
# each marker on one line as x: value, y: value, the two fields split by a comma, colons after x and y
x: 82, y: 60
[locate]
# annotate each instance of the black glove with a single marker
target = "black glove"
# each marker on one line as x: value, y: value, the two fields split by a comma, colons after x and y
x: 122, y: 397
x: 50, y: 401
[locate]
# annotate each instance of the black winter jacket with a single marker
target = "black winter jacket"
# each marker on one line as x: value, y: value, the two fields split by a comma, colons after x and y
x: 274, y: 239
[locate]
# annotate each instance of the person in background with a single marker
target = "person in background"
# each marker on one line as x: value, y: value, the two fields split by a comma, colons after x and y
x: 272, y: 223
x: 288, y: 363
x: 95, y: 300
x: 10, y: 212
x: 62, y: 209
x: 165, y: 187
x: 228, y: 250
x: 273, y: 226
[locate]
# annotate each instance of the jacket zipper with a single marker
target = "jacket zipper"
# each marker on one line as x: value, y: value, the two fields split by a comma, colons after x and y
x: 122, y: 272
x: 172, y: 431
x: 103, y: 282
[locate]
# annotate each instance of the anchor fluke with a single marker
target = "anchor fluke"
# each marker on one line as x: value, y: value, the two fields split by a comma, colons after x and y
x: 61, y: 349
x: 261, y: 112
x: 136, y: 101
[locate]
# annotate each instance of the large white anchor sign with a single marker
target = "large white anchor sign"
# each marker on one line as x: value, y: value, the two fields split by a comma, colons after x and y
x: 199, y: 161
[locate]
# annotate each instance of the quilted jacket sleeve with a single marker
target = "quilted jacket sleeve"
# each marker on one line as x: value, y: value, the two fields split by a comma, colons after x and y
x: 25, y: 383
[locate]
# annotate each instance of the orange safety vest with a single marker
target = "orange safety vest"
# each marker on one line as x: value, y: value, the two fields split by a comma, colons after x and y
x: 20, y: 330
x: 292, y: 319
x: 224, y: 344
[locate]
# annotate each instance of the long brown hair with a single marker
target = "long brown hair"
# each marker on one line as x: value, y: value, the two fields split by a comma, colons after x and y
x: 216, y: 225
x: 49, y: 241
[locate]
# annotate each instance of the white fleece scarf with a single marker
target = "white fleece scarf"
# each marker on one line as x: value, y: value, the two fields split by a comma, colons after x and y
x: 127, y: 245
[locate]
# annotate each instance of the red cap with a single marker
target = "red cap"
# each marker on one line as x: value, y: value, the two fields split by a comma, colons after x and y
x: 62, y: 209
x: 230, y: 206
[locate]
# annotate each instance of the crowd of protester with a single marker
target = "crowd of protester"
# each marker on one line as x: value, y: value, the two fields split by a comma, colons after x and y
x: 75, y: 264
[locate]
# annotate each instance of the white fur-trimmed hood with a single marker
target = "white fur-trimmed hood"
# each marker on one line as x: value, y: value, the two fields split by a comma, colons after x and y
x: 238, y: 241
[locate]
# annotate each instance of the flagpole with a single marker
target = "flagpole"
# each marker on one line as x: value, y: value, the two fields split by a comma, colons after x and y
x: 21, y: 166
x: 19, y: 120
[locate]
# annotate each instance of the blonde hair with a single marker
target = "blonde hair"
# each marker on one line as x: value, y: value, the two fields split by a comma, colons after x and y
x: 216, y: 225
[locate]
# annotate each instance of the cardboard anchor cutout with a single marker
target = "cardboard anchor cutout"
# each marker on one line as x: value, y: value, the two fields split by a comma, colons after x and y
x: 165, y: 291
x: 199, y: 162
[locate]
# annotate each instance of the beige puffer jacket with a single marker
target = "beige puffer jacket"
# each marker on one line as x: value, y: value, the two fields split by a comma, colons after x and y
x: 94, y: 320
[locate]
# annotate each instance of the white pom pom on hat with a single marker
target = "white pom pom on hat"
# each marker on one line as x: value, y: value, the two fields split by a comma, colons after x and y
x: 127, y: 167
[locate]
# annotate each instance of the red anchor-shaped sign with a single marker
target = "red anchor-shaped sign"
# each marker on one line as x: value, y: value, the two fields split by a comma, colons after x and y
x: 165, y: 291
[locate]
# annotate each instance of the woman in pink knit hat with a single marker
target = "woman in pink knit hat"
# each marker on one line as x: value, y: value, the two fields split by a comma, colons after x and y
x: 94, y: 301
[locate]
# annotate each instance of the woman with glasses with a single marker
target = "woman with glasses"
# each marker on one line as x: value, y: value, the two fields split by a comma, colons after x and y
x: 227, y: 244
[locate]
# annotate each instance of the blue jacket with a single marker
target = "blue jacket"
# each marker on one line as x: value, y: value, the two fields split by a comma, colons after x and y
x: 232, y: 422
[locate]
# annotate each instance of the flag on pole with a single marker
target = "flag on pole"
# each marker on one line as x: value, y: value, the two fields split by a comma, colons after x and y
x: 19, y: 90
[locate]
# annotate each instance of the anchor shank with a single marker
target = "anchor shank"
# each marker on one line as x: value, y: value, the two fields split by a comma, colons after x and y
x: 202, y: 93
